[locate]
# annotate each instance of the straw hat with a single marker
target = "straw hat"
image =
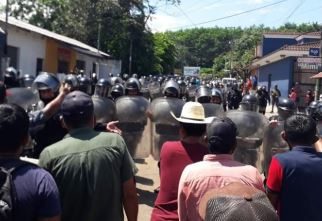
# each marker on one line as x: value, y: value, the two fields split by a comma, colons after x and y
x: 192, y: 113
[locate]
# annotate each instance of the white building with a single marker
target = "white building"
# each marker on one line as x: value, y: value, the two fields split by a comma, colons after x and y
x: 32, y: 49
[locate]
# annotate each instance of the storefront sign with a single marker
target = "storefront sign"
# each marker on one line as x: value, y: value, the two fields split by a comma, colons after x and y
x: 315, y: 52
x: 308, y: 64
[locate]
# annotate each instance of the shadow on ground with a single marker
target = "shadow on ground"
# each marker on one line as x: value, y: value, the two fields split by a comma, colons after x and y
x: 140, y: 161
x: 146, y: 197
x: 144, y: 181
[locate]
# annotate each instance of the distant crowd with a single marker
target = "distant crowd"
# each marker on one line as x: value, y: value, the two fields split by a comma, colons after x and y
x: 68, y: 149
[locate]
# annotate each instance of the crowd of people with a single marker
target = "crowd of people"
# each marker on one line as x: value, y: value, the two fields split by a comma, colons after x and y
x: 85, y: 169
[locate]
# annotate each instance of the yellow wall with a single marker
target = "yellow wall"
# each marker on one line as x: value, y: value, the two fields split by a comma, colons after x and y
x: 72, y: 62
x: 51, y: 59
x: 52, y: 56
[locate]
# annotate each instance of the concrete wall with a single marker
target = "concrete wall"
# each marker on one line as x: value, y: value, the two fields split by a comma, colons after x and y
x: 30, y: 47
x: 281, y: 75
x: 103, y: 66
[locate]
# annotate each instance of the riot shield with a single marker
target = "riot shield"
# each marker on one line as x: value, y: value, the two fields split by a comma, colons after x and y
x: 132, y: 117
x: 192, y: 92
x: 154, y: 89
x: 212, y: 110
x: 164, y: 126
x: 23, y: 97
x: 273, y: 143
x: 104, y: 109
x: 251, y: 128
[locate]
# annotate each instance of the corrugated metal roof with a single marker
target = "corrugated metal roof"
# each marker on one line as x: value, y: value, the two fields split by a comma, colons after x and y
x: 50, y: 34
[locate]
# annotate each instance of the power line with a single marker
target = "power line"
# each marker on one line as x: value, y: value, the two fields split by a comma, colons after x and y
x: 233, y: 15
x: 302, y: 13
x: 186, y: 15
x: 295, y: 9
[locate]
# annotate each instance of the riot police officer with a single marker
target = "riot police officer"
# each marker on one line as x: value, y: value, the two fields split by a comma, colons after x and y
x: 216, y: 96
x: 104, y: 107
x: 273, y: 143
x: 131, y: 112
x: 251, y: 127
x: 203, y: 96
x: 45, y: 127
x: 164, y: 126
x: 263, y: 99
x: 234, y: 97
x: 27, y: 81
x: 117, y: 91
x: 72, y: 81
x: 85, y: 84
x: 11, y: 77
x: 249, y: 103
x: 132, y: 87
x: 102, y: 87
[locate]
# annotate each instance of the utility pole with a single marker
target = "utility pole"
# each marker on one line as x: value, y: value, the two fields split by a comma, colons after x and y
x: 5, y: 59
x: 130, y: 56
x: 318, y: 80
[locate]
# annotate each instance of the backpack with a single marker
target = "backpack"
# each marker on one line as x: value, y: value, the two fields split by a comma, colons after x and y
x: 7, y: 192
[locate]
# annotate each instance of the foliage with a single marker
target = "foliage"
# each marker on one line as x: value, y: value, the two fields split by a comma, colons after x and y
x: 117, y: 26
x: 113, y: 26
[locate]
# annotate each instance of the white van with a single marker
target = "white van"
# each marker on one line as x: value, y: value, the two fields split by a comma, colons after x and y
x: 230, y: 81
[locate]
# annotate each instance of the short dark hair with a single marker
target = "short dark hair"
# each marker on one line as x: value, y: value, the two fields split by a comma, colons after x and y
x: 300, y: 129
x: 14, y: 126
x: 76, y: 121
x: 195, y: 130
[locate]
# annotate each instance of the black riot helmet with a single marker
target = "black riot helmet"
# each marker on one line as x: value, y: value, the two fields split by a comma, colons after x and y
x: 72, y: 81
x: 10, y: 77
x: 286, y: 108
x: 216, y: 96
x: 249, y: 103
x: 117, y: 91
x: 315, y: 110
x: 116, y: 80
x: 132, y: 86
x: 171, y: 89
x: 203, y: 94
x: 46, y: 81
x: 102, y: 87
x: 135, y: 75
x: 234, y: 86
x: 125, y: 77
x: 85, y: 84
x: 27, y: 80
x: 48, y: 86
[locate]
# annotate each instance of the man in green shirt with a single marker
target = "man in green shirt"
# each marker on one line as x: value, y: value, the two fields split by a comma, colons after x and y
x: 93, y: 170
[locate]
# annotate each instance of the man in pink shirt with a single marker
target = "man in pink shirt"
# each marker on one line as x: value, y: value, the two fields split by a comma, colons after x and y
x: 218, y: 169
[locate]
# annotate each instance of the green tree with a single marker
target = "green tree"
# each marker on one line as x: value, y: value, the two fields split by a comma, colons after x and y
x: 114, y: 26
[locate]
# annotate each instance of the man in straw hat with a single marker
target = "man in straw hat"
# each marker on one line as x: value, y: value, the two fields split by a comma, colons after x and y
x: 215, y: 171
x: 175, y: 155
